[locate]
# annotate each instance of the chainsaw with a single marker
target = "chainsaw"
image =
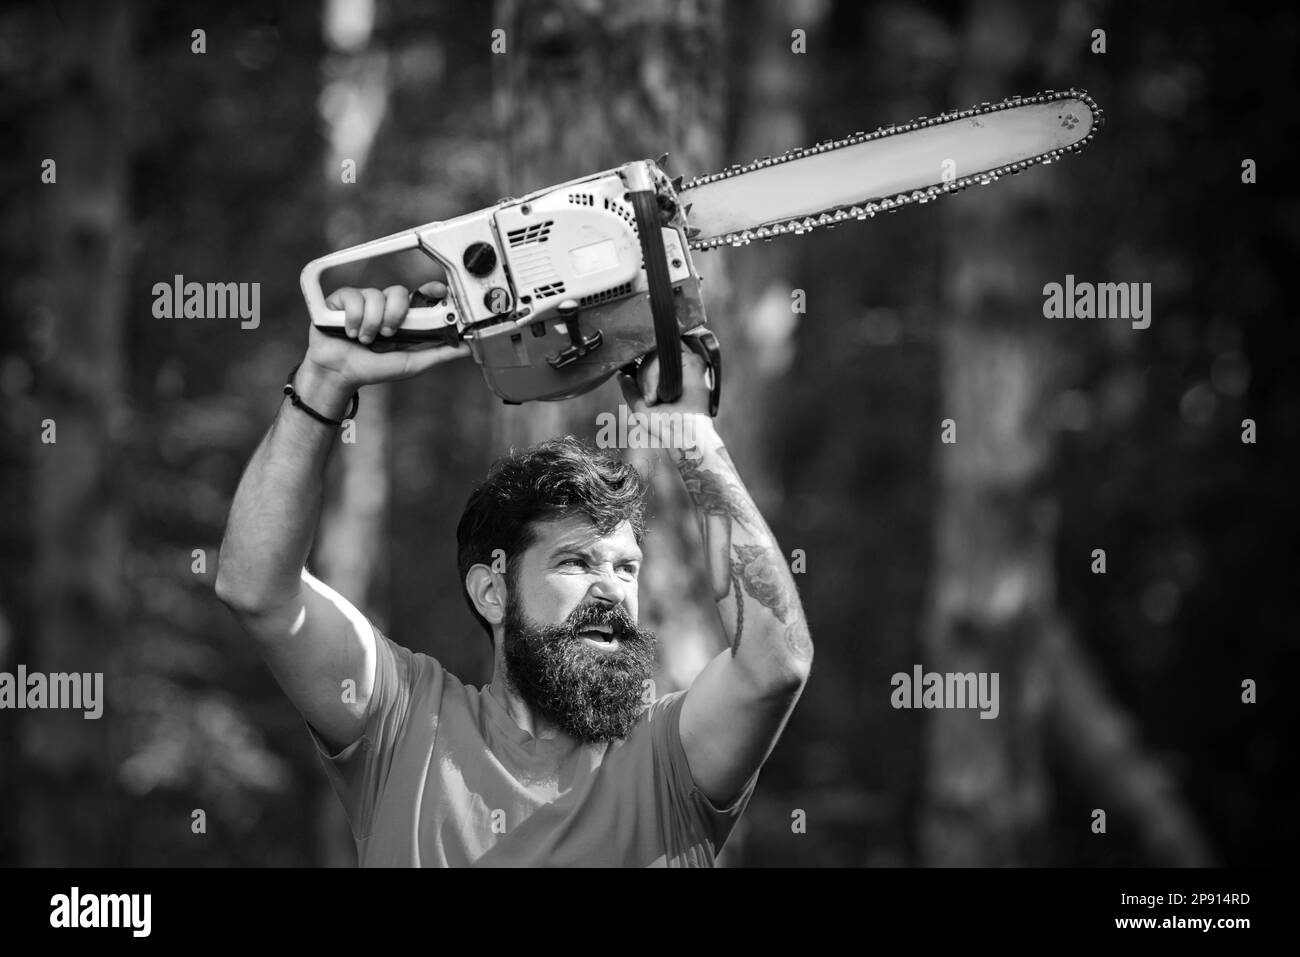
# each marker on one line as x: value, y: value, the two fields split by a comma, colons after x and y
x: 557, y: 291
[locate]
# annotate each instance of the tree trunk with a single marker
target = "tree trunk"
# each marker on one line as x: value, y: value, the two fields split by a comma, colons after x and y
x: 993, y: 590
x: 992, y: 595
x: 349, y: 552
x: 67, y: 795
x: 771, y: 90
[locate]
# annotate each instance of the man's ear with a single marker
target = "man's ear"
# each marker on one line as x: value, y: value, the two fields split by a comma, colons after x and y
x: 487, y: 590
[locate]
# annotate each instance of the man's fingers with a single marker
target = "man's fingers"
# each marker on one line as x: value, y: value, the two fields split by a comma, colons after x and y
x: 631, y: 392
x: 418, y: 360
x: 647, y: 380
x: 353, y: 306
x: 435, y: 290
x: 692, y: 360
x: 396, y: 302
x: 373, y: 317
x: 370, y: 313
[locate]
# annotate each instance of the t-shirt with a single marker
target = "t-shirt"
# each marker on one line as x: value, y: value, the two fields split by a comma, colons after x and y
x: 442, y: 776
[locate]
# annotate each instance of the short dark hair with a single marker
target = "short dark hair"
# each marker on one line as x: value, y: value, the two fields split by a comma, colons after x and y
x: 547, y: 481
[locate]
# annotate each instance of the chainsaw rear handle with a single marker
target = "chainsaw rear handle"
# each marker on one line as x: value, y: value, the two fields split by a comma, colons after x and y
x: 437, y: 318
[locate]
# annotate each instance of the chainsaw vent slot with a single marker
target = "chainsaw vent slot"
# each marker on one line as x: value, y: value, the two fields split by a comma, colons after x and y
x: 546, y: 292
x: 621, y: 209
x: 596, y: 298
x: 582, y: 199
x: 533, y: 270
x: 536, y: 233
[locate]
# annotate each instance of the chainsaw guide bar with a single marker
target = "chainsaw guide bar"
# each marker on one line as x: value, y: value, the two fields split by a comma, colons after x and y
x: 881, y: 171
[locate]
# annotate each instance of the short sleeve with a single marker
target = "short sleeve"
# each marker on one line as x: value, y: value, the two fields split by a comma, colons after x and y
x: 696, y: 829
x: 358, y: 772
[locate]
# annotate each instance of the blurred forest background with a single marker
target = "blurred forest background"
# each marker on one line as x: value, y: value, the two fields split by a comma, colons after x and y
x: 1120, y: 691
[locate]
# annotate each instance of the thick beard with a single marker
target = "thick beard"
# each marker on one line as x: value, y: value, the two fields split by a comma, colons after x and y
x: 590, y: 695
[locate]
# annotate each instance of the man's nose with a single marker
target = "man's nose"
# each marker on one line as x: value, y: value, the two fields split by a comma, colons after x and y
x: 609, y: 587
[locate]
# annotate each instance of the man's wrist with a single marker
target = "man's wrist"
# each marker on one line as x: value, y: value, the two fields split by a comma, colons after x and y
x: 700, y: 433
x: 323, y: 389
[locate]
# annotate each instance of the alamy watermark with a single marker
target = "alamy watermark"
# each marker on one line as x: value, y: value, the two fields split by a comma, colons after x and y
x: 80, y: 691
x: 1101, y: 300
x: 75, y: 909
x: 645, y: 430
x: 179, y: 299
x: 932, y: 689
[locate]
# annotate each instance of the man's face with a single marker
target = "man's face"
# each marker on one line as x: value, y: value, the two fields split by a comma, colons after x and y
x: 572, y: 646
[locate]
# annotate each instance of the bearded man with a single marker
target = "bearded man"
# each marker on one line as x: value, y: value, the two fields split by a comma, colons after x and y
x: 564, y: 758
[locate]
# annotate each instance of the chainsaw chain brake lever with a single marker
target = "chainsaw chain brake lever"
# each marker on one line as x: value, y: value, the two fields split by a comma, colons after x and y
x: 705, y: 345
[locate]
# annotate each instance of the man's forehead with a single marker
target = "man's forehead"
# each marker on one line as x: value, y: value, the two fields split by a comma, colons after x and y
x: 576, y: 532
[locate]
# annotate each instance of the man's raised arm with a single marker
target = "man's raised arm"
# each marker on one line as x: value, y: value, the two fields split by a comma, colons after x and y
x: 312, y: 638
x: 751, y: 581
x: 735, y: 710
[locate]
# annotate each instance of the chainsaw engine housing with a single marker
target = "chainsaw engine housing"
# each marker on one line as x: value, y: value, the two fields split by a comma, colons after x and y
x: 573, y: 256
x: 550, y: 290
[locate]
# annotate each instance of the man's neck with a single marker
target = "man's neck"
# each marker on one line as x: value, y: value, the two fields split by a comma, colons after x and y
x: 520, y: 712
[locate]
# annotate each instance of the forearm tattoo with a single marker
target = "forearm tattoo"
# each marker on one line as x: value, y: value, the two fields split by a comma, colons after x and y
x: 740, y: 569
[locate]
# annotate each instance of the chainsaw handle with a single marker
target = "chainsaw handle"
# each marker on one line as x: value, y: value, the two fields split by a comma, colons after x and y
x: 705, y: 345
x: 332, y: 320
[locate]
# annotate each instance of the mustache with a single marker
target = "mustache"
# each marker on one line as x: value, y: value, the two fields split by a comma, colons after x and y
x: 616, y: 617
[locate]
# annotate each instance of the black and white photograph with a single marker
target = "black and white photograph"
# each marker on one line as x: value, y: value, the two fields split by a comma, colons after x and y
x: 764, y: 435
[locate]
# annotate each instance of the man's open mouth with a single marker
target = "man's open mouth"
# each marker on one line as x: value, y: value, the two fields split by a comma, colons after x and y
x: 601, y: 635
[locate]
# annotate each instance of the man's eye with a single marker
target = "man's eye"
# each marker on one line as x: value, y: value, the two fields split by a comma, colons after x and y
x: 573, y: 561
x: 630, y: 569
